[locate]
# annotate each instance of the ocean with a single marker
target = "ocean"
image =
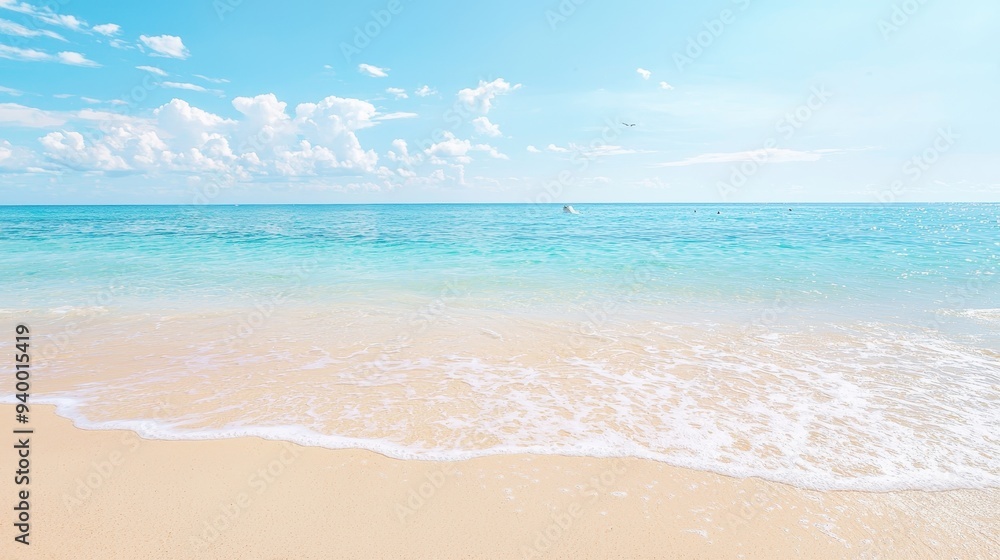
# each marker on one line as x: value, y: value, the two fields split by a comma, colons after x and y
x: 828, y: 346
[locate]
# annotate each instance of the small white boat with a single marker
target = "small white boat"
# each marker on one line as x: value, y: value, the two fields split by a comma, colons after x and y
x: 569, y: 209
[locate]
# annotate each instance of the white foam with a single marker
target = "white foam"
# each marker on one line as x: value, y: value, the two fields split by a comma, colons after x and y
x: 868, y: 408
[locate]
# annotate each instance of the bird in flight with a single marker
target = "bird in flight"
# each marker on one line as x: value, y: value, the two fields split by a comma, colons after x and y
x: 627, y: 124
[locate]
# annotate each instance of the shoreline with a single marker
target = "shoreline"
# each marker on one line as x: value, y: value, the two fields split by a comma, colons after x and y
x: 113, y: 494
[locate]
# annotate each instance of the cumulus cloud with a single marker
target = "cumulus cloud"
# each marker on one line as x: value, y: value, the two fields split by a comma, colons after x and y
x: 398, y: 93
x: 317, y: 139
x: 10, y: 28
x: 424, y: 91
x: 534, y: 150
x: 665, y: 85
x: 152, y: 70
x: 644, y: 73
x: 453, y: 148
x: 480, y: 98
x: 169, y: 46
x: 483, y: 126
x: 557, y: 149
x: 107, y: 29
x: 400, y: 153
x: 373, y: 71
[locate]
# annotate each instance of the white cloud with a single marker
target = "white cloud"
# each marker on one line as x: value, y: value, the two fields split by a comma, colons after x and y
x: 319, y: 139
x: 10, y: 91
x: 17, y: 53
x: 480, y: 98
x: 605, y: 150
x: 168, y: 46
x: 76, y: 59
x: 485, y: 127
x: 10, y: 28
x: 665, y: 85
x: 394, y: 116
x: 67, y: 21
x: 44, y: 14
x: 401, y: 153
x: 424, y: 91
x: 534, y: 150
x: 458, y: 150
x: 644, y: 73
x: 399, y: 93
x: 769, y: 155
x: 557, y: 149
x: 183, y: 85
x: 90, y: 100
x: 152, y: 70
x: 107, y: 29
x: 19, y: 115
x: 373, y: 71
x: 33, y: 55
x: 212, y: 80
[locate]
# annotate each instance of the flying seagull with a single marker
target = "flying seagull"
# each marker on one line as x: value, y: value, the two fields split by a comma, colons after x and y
x: 627, y: 124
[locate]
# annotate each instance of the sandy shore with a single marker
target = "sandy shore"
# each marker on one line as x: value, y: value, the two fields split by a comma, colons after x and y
x: 110, y: 494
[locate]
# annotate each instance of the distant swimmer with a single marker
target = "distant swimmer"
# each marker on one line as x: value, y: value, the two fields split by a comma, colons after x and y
x: 569, y: 209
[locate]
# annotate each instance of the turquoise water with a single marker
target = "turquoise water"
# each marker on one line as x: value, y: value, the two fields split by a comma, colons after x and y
x: 860, y: 260
x: 828, y: 346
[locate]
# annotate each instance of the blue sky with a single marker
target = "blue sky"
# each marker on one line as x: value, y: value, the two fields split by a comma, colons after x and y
x: 235, y: 101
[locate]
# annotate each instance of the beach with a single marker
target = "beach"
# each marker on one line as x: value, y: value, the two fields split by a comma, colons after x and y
x: 419, y: 382
x: 110, y: 494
